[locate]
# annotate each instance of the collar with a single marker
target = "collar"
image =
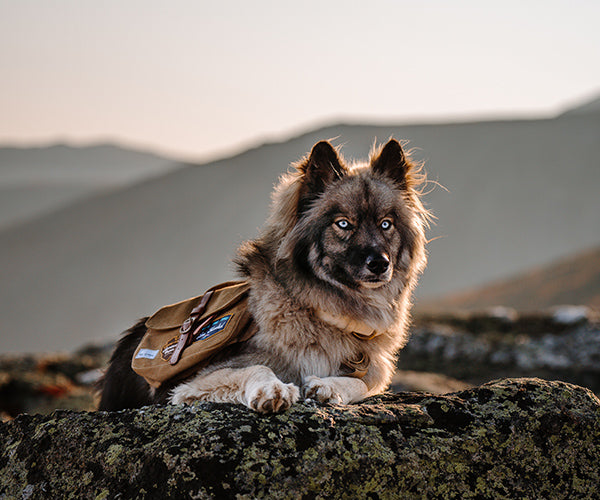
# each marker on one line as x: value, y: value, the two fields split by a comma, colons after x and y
x: 354, y: 327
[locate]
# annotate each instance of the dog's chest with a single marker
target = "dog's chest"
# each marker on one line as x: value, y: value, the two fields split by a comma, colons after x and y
x: 296, y: 343
x: 314, y: 349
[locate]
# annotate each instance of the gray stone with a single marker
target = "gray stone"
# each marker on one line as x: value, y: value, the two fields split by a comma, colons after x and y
x: 513, y: 438
x: 478, y: 347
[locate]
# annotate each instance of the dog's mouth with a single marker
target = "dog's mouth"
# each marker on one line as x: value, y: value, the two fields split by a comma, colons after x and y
x: 349, y: 276
x: 376, y: 270
x: 373, y: 283
x: 369, y: 280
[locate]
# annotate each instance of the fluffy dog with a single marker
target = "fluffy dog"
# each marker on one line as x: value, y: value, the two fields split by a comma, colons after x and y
x: 331, y: 277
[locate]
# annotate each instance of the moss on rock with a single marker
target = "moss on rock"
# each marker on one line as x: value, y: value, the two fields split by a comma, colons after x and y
x: 524, y: 438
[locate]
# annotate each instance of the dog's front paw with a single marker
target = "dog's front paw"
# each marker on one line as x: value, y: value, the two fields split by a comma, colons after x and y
x: 272, y: 396
x: 322, y: 390
x: 184, y: 394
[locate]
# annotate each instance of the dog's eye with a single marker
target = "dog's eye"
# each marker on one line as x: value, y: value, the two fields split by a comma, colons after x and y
x: 386, y: 224
x: 343, y: 224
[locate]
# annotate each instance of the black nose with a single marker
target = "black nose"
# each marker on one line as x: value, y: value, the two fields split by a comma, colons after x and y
x: 377, y: 263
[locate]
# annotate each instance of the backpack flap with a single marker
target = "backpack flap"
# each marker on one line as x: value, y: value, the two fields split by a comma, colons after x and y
x: 224, y: 320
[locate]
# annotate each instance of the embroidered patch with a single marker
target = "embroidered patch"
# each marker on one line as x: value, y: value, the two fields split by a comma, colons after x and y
x: 167, y: 350
x: 215, y: 327
x: 146, y: 353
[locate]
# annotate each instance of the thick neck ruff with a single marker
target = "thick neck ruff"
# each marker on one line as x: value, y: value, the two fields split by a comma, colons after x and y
x: 354, y: 327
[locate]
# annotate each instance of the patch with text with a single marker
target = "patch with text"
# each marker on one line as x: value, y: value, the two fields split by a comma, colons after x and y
x: 216, y: 326
x: 146, y: 354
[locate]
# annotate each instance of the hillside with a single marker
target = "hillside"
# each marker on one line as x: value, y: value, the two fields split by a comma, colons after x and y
x: 36, y: 181
x: 591, y: 105
x: 574, y: 280
x: 520, y: 193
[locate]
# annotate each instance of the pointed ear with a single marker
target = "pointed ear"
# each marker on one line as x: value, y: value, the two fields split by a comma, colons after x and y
x: 392, y: 162
x: 322, y: 167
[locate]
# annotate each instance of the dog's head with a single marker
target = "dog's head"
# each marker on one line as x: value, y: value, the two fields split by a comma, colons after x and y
x: 353, y: 227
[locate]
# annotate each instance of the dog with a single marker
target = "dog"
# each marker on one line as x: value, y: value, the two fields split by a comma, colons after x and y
x: 330, y: 282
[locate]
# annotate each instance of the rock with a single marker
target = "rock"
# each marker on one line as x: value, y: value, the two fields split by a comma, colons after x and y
x: 515, y: 438
x: 571, y: 314
x: 433, y: 383
x: 477, y: 347
x: 41, y: 383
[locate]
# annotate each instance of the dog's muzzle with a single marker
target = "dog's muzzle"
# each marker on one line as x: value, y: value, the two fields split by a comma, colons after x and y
x: 377, y: 263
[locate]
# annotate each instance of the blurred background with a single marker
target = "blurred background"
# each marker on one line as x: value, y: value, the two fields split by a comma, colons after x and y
x: 140, y: 141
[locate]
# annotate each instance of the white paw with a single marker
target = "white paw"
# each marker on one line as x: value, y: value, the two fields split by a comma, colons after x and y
x: 322, y: 390
x: 272, y: 396
x: 184, y: 394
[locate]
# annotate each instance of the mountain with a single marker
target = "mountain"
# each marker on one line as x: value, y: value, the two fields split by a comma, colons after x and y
x: 591, y: 105
x: 34, y: 181
x: 518, y: 194
x: 573, y: 280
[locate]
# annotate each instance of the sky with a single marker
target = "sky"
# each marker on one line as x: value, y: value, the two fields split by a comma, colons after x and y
x: 197, y: 79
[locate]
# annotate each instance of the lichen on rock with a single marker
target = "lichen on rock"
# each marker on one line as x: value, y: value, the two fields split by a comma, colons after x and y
x: 514, y: 438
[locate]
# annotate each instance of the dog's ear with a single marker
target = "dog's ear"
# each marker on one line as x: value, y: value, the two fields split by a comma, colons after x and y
x: 322, y: 167
x: 392, y: 162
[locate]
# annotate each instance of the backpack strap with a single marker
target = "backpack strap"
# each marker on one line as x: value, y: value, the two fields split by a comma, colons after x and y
x: 188, y: 324
x: 357, y: 367
x: 360, y: 330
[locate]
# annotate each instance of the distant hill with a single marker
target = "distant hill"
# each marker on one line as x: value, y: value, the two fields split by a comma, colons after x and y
x: 519, y: 194
x: 574, y: 280
x: 588, y: 106
x: 35, y: 181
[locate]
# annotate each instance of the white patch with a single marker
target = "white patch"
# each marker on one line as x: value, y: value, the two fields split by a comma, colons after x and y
x: 568, y: 315
x: 146, y: 354
x: 501, y: 312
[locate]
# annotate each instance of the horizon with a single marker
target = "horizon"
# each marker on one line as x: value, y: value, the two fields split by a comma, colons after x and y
x: 219, y: 79
x: 285, y: 135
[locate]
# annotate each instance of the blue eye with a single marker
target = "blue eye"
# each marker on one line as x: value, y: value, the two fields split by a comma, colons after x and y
x: 343, y: 224
x: 385, y: 224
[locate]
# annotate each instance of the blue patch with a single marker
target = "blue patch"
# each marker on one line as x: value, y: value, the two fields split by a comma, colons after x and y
x: 215, y: 327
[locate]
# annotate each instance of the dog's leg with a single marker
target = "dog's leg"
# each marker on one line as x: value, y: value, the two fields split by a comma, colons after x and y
x: 336, y: 390
x: 255, y: 386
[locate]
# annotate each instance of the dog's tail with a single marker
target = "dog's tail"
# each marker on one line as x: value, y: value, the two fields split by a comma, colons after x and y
x: 121, y: 387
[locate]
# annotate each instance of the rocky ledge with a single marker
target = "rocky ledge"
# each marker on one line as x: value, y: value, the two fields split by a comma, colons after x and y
x: 513, y: 438
x: 563, y: 344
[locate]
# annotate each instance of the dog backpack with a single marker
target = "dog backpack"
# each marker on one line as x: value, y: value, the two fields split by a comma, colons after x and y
x: 183, y: 337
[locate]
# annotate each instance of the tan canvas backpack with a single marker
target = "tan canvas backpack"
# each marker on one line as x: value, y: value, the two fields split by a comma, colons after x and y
x: 183, y: 337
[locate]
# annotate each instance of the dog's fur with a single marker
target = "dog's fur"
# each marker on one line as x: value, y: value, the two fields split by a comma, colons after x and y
x: 345, y: 240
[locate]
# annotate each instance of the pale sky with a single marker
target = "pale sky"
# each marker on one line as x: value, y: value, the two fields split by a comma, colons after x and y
x: 197, y: 78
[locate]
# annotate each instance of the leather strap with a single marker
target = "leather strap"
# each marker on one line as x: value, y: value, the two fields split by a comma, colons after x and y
x: 354, y: 327
x: 186, y: 328
x: 356, y: 368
